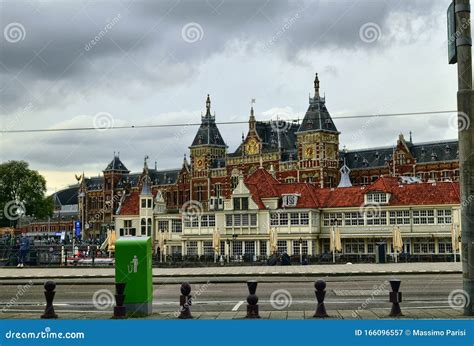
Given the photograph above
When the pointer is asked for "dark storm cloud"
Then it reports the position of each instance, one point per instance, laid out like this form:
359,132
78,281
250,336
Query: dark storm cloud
130,36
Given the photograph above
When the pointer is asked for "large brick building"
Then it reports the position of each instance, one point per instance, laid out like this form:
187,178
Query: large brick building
306,151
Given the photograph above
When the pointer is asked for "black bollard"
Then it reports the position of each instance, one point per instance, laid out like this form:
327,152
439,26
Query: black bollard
320,292
395,298
185,300
120,310
49,293
252,300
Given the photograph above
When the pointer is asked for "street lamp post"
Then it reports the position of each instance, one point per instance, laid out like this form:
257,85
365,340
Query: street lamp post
461,15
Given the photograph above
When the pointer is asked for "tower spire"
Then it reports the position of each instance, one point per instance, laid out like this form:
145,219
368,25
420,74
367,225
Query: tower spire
208,106
316,87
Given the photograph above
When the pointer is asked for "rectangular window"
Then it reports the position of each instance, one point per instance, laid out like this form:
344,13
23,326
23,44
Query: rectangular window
423,246
237,205
191,247
304,218
332,219
282,246
399,217
353,219
228,220
176,250
283,219
245,219
237,220
208,220
354,246
297,246
176,226
376,198
294,218
207,248
253,219
377,218
444,216
274,219
163,225
143,203
263,248
249,247
236,248
423,217
218,190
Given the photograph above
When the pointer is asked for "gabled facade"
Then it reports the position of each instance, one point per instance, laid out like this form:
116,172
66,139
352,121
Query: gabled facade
303,215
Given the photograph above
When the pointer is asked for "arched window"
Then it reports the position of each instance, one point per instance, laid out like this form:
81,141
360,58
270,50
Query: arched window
148,227
143,227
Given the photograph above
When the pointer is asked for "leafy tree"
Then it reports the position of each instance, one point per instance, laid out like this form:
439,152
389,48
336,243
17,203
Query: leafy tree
22,192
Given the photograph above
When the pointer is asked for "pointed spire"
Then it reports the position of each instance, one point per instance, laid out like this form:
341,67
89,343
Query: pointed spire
316,87
208,106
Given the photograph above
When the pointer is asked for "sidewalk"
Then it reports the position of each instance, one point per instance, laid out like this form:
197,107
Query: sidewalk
367,314
258,271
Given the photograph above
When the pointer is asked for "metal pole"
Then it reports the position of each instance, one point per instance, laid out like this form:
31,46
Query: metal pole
466,144
333,235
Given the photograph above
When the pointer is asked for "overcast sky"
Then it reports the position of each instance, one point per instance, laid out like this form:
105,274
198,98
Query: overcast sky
72,63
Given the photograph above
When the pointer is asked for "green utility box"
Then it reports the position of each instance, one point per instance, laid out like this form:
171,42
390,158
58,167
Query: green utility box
133,267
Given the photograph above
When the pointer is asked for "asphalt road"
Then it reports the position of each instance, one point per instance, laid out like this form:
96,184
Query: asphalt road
218,294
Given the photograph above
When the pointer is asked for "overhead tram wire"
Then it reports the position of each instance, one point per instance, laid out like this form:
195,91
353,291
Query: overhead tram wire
218,123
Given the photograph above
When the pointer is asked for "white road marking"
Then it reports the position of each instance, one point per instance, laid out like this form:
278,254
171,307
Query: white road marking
237,306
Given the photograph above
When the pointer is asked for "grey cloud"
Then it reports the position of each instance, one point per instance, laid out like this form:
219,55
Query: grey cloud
148,34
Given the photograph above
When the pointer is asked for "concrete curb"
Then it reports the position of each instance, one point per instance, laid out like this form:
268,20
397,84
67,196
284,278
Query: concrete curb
270,275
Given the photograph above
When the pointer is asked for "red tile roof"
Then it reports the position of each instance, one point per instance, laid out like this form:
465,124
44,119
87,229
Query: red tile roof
262,184
131,204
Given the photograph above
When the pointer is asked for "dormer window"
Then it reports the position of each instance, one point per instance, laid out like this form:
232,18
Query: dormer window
241,203
289,201
376,197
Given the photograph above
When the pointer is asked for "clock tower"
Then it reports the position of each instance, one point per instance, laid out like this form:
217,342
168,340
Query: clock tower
252,145
207,151
318,143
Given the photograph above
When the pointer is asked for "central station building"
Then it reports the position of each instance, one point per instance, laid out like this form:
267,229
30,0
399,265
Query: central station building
288,175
